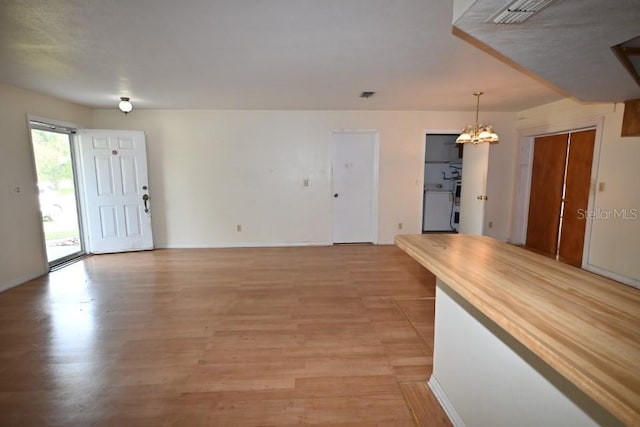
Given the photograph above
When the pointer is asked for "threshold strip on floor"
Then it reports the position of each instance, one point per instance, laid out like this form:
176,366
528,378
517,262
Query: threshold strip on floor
70,261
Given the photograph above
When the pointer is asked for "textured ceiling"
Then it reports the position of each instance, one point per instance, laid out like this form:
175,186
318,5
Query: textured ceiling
568,44
255,54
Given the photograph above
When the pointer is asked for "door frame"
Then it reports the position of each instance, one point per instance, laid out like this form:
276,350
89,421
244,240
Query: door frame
523,185
463,203
426,133
77,168
375,133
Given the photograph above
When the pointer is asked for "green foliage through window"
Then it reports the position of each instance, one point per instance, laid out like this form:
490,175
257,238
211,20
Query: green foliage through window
53,157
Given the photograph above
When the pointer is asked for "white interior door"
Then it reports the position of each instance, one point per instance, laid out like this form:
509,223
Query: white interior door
354,166
475,163
114,175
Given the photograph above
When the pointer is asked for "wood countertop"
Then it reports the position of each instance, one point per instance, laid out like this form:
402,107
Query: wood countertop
584,326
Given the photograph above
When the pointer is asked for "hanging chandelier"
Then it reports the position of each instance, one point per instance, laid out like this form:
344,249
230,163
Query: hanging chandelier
478,132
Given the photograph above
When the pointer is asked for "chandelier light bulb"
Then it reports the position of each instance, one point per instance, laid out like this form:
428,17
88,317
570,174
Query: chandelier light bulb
464,137
484,136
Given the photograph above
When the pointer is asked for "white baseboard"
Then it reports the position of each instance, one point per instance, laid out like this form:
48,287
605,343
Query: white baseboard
611,275
239,245
248,245
15,282
444,401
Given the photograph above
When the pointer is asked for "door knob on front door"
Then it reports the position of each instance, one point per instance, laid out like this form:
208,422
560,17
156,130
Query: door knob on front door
145,198
335,195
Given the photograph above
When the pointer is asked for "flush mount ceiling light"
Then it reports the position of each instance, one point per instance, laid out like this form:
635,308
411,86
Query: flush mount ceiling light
124,105
478,132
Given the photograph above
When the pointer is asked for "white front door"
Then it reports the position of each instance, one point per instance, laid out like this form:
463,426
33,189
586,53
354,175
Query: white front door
353,166
116,188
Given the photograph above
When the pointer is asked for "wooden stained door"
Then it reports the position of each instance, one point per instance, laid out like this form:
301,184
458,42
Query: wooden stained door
576,198
549,158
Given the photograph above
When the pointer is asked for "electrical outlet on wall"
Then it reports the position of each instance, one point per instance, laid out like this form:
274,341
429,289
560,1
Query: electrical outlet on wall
490,224
16,190
239,227
400,225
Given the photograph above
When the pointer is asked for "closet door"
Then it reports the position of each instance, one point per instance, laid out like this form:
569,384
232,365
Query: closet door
549,157
578,184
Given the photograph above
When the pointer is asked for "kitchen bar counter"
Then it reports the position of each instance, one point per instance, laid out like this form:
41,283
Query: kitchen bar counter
585,327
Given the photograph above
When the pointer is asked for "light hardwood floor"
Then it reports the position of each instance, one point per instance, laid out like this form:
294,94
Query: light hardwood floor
227,337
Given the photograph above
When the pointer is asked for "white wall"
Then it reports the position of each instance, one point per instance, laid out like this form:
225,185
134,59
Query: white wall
22,255
614,244
211,170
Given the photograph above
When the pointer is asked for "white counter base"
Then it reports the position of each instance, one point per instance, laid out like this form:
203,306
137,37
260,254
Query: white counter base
483,377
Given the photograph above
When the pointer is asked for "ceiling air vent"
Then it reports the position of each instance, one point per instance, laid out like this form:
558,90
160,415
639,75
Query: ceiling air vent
519,11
